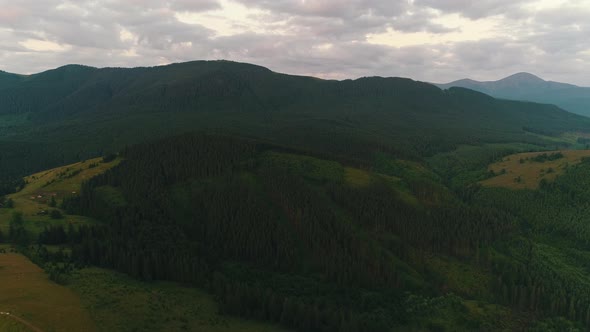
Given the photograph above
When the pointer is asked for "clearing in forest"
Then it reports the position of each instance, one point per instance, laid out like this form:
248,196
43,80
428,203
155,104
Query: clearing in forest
527,170
34,201
27,293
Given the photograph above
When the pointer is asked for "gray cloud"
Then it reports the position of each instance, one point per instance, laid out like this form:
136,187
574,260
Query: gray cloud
332,8
475,9
328,38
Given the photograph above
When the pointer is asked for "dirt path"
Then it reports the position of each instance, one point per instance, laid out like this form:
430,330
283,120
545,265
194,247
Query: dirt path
22,321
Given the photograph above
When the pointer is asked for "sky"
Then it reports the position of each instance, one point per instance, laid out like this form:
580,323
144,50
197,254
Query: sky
428,40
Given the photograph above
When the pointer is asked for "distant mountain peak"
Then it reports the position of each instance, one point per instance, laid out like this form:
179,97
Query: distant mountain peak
523,77
529,87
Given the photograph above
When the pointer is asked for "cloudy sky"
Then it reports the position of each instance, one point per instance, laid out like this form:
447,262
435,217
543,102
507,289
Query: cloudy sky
429,40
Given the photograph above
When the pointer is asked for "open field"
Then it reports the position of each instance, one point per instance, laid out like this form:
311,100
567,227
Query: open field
525,170
33,201
117,302
26,292
7,324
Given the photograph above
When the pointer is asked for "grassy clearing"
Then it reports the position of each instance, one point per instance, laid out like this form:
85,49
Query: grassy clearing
460,278
521,171
9,325
26,292
312,168
118,303
34,200
356,177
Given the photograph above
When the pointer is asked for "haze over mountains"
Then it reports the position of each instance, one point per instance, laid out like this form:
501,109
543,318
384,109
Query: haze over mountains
525,86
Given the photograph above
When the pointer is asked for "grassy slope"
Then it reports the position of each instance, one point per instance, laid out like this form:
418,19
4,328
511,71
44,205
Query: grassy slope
55,182
529,171
9,325
26,292
119,303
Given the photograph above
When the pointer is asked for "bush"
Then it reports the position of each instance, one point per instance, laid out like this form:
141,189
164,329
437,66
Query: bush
55,214
109,157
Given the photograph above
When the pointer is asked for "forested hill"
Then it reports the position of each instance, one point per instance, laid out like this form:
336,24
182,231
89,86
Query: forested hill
286,237
318,205
76,112
315,244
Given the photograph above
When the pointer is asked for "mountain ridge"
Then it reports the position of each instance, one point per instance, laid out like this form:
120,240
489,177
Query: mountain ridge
528,87
76,112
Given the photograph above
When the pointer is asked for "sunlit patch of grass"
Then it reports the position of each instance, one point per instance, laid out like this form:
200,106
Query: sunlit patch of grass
521,171
463,279
311,168
120,303
34,201
27,292
356,177
9,325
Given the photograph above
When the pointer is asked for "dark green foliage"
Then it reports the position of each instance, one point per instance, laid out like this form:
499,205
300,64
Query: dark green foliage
274,225
10,185
73,113
59,272
306,245
6,202
548,271
557,325
543,157
108,158
55,214
57,264
17,232
55,235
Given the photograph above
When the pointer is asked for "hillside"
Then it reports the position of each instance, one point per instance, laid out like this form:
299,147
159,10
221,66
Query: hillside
295,203
75,112
525,86
532,169
284,236
36,299
314,243
270,227
53,295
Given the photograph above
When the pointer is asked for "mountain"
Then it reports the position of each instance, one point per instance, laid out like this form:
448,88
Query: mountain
316,205
77,112
525,86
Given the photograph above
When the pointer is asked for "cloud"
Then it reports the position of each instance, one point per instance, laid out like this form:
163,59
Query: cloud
194,5
423,39
477,9
332,8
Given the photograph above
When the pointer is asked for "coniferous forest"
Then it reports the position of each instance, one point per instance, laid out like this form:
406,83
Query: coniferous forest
314,205
316,245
